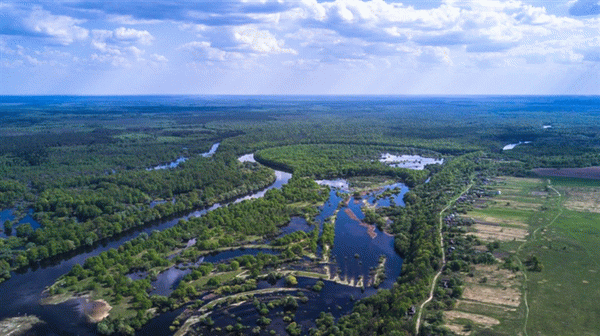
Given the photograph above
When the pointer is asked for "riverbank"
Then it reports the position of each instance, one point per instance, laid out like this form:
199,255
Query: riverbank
19,326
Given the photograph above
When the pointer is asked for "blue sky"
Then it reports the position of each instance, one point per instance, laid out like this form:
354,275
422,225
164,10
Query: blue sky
300,47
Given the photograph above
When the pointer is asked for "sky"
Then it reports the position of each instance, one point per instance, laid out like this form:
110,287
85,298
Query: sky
429,47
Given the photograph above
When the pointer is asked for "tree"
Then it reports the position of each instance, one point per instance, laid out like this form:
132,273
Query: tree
7,227
291,280
24,230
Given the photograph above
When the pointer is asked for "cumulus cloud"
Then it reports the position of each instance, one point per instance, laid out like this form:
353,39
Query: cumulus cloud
37,22
118,47
305,34
24,56
133,35
260,41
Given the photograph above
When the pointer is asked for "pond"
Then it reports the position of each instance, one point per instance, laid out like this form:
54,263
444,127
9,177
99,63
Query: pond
416,162
8,214
395,199
247,158
337,183
358,247
511,146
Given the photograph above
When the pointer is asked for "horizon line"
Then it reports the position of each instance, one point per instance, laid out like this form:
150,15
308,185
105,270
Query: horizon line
298,95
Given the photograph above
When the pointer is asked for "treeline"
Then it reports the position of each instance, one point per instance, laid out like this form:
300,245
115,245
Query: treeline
326,161
386,313
103,207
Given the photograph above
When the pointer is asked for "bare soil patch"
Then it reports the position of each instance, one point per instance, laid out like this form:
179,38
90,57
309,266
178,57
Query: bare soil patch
493,233
586,173
494,295
96,311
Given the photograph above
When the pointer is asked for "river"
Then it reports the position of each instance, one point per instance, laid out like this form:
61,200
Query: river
21,294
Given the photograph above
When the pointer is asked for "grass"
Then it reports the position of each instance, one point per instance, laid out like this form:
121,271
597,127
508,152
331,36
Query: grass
573,182
221,277
521,202
562,298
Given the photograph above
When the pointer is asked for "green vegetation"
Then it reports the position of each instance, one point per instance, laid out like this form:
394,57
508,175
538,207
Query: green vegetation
83,173
568,249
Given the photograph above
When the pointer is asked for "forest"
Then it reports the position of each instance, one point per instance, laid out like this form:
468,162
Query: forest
89,173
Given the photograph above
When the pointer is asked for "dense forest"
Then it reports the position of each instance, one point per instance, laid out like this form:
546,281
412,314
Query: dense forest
89,172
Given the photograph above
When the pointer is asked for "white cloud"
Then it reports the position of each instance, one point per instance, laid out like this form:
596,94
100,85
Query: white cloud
133,35
61,28
325,36
117,47
260,41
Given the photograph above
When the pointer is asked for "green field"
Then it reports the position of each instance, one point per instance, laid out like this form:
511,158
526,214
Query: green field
564,297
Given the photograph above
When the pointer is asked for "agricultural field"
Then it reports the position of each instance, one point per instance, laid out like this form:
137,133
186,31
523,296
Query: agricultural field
545,237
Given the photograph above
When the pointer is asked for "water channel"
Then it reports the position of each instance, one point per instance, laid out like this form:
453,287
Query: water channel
22,293
356,253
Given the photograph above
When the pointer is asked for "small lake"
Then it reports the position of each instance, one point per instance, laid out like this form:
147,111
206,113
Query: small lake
157,202
395,199
511,146
247,158
8,214
415,162
337,184
296,224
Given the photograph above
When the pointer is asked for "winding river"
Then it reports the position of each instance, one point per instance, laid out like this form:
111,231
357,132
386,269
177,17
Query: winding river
354,254
21,294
